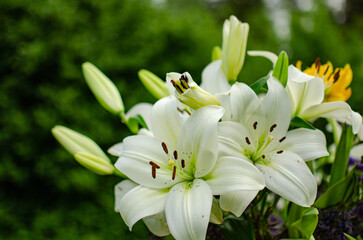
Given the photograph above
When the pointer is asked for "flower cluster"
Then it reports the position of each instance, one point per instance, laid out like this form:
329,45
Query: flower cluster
202,152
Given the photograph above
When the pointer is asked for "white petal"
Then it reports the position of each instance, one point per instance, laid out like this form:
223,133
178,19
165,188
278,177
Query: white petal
269,55
287,175
233,138
338,110
232,174
157,224
237,202
198,136
141,202
166,120
356,122
213,78
116,149
120,190
308,144
357,152
134,162
277,109
243,101
142,109
304,90
225,101
360,133
187,209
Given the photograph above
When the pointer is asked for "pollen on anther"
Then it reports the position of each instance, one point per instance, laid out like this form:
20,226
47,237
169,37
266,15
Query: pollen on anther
263,156
153,171
280,151
175,153
247,140
273,127
154,164
282,139
183,163
165,148
255,125
174,173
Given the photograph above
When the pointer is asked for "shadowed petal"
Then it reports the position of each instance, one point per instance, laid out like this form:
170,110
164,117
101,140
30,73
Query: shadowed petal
157,224
213,78
237,202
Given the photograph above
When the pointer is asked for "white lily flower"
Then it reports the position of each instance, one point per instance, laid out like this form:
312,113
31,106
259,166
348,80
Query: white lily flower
257,132
306,94
188,92
177,170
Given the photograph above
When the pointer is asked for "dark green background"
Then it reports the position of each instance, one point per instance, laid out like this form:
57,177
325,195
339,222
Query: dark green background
44,193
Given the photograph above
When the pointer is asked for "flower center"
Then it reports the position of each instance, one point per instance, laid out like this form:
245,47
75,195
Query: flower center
257,151
173,164
181,85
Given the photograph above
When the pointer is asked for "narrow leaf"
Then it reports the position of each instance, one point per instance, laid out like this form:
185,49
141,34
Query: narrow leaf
256,86
297,122
340,164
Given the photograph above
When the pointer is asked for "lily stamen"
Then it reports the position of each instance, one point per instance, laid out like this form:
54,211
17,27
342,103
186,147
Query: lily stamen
273,127
165,148
282,139
175,153
255,125
174,173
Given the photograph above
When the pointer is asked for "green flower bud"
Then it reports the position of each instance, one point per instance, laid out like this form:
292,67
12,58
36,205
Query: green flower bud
189,93
153,84
216,53
94,163
75,142
235,35
103,88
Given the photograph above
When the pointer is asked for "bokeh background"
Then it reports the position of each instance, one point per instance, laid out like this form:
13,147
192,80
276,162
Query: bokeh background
44,193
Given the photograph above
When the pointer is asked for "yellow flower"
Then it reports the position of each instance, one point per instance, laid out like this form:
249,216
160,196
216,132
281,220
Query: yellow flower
336,82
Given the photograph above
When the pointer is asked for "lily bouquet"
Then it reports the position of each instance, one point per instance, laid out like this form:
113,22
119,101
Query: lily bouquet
245,160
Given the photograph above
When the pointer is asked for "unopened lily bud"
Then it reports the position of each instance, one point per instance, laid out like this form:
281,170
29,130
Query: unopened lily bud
235,35
153,84
103,88
189,93
75,142
94,163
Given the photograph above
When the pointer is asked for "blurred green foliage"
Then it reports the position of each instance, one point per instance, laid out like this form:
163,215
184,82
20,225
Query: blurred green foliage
44,193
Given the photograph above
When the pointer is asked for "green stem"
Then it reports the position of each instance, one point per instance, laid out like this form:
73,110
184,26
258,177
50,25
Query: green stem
335,127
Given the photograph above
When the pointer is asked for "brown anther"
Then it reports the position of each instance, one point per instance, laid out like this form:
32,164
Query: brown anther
175,153
317,62
336,76
184,83
174,173
165,148
280,151
247,141
184,77
272,127
180,110
326,70
255,125
263,156
154,164
153,171
183,163
176,87
282,139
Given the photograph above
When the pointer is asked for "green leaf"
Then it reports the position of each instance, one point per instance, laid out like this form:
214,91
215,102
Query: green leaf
301,123
340,164
302,221
281,68
133,123
238,228
338,193
256,86
350,237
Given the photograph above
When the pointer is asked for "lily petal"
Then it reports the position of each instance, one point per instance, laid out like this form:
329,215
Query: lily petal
308,144
135,160
198,136
187,209
157,224
213,78
237,202
116,149
120,190
166,120
233,174
141,202
287,175
269,55
276,107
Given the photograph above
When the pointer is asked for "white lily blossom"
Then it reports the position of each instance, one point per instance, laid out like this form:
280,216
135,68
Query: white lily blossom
178,172
306,94
257,132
